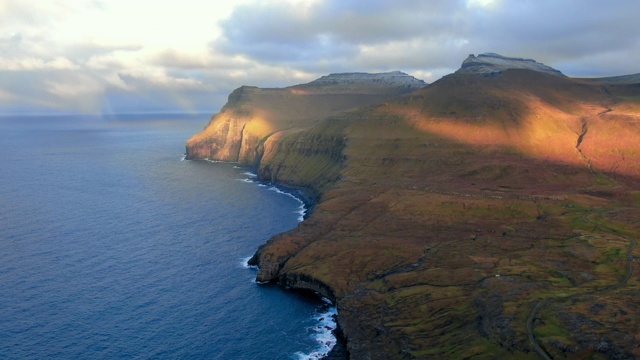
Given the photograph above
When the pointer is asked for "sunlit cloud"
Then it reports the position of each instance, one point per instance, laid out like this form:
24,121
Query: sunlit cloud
483,3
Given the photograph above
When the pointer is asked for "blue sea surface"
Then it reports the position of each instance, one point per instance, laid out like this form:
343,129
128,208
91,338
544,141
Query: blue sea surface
113,247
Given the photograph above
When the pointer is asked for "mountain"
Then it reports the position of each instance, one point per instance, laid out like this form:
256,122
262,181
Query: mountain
393,79
491,63
480,216
619,80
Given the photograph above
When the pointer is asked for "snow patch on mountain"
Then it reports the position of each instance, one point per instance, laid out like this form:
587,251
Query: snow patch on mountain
490,63
393,79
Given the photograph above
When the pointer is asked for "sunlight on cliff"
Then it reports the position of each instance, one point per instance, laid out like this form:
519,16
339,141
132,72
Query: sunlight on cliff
259,126
206,132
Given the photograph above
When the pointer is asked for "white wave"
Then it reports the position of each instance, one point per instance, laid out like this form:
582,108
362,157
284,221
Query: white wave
184,157
245,263
302,209
246,181
251,178
323,334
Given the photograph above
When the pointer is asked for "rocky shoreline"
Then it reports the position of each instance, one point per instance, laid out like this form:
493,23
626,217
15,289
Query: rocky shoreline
305,282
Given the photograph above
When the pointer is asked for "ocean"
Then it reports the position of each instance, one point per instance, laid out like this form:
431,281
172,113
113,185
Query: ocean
113,246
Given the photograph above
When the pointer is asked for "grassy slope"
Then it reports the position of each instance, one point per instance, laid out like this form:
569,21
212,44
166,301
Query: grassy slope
446,215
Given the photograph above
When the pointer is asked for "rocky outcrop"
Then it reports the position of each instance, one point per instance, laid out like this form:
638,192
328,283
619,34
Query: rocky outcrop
490,63
306,282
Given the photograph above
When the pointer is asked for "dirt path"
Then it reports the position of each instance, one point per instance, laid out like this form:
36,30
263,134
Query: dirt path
534,313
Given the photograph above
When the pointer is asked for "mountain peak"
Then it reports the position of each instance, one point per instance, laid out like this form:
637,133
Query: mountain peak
393,79
491,63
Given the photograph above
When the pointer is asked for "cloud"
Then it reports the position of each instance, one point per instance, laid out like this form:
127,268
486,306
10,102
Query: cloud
88,56
419,35
332,33
32,63
557,30
71,55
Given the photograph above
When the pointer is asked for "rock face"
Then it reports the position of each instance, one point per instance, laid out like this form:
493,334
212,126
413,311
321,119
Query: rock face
445,214
252,115
490,63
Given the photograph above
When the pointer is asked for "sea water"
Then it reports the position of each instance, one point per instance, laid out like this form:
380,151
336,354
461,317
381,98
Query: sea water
112,246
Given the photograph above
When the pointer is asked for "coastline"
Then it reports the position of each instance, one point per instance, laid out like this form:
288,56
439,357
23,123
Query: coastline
403,185
324,292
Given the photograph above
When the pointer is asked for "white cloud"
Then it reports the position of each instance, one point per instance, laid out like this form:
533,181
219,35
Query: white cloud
483,3
32,63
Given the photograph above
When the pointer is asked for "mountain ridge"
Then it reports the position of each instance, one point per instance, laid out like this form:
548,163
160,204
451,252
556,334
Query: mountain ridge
392,78
445,213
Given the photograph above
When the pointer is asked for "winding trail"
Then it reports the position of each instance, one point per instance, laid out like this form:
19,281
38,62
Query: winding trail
534,313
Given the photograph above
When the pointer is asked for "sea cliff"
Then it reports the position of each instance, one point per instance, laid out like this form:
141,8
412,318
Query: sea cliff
481,215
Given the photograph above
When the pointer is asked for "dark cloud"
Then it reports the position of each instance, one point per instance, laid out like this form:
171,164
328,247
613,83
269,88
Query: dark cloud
328,32
280,33
421,35
557,30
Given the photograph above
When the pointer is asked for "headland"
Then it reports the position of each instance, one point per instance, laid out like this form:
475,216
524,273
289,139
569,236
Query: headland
491,214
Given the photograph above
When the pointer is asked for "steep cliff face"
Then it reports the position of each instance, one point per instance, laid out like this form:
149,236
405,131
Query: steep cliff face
241,131
221,139
445,215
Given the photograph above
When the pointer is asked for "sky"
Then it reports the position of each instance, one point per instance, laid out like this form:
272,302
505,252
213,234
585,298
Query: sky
123,56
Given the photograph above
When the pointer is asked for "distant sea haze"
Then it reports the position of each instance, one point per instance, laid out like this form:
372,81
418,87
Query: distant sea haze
112,247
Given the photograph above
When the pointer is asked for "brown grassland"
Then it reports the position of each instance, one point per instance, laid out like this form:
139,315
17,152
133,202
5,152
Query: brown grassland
478,217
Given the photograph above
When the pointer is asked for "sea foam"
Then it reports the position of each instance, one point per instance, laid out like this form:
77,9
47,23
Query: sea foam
302,209
244,262
253,178
323,332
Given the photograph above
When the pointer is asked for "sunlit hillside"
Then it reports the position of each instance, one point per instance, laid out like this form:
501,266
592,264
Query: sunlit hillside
480,216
